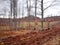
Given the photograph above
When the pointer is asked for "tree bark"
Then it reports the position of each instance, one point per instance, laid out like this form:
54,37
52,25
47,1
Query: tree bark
42,14
35,13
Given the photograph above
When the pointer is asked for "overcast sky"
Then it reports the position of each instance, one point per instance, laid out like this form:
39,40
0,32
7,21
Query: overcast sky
51,11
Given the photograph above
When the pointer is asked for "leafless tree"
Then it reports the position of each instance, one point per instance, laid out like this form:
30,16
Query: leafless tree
11,6
42,11
35,13
42,14
14,12
28,10
22,12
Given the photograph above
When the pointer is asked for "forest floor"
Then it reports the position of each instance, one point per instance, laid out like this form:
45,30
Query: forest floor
31,37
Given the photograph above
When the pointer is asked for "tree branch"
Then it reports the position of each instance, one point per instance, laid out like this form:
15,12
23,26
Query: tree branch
50,5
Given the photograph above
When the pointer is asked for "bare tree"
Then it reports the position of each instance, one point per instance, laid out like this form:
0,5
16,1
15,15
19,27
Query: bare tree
11,6
14,12
42,14
11,13
42,11
35,13
14,9
22,12
28,10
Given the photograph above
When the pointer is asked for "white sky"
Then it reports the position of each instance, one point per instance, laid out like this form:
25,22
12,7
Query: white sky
51,11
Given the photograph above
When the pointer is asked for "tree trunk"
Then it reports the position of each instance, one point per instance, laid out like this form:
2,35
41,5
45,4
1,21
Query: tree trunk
42,14
15,14
35,13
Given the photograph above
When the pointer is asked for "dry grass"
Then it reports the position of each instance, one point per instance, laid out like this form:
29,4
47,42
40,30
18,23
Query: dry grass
25,25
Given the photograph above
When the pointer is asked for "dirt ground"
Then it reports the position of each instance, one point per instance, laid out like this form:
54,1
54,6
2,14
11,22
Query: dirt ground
31,37
13,33
54,41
